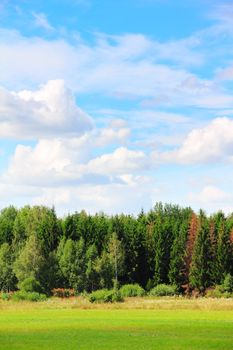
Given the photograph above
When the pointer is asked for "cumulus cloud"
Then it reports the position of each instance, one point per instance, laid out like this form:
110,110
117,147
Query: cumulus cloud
121,161
55,162
110,135
50,110
56,172
210,144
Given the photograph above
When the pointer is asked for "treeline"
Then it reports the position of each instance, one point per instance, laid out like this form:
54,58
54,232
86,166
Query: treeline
169,244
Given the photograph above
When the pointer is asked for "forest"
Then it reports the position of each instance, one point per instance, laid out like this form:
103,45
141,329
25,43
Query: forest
169,244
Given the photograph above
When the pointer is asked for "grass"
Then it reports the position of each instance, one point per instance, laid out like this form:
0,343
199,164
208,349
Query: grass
171,324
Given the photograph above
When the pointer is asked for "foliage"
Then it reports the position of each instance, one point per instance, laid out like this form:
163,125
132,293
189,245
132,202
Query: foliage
167,245
105,296
7,276
30,262
30,284
228,283
200,271
5,296
7,218
63,292
163,290
28,296
218,292
132,290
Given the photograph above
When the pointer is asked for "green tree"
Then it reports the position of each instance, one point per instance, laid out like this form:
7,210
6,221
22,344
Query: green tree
19,228
200,272
110,265
224,250
30,262
7,276
72,262
176,271
91,272
7,218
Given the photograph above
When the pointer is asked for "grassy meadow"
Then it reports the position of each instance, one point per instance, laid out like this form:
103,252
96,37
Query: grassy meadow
138,323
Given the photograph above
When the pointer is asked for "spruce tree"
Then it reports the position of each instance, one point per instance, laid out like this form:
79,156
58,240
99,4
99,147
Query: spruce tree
200,274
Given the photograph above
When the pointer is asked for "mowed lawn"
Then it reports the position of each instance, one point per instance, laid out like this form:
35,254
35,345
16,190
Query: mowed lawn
29,327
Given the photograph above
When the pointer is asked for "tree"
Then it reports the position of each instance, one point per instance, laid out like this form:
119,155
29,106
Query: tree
91,272
176,272
200,273
224,252
7,276
190,243
110,265
30,262
163,237
19,228
72,262
7,218
116,257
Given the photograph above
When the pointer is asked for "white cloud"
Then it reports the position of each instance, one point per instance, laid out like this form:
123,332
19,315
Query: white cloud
51,162
210,194
111,135
212,198
115,65
110,198
41,21
51,110
121,161
56,162
55,172
126,66
213,143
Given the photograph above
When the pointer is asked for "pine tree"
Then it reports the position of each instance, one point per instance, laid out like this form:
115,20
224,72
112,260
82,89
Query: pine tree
176,273
191,238
200,274
223,255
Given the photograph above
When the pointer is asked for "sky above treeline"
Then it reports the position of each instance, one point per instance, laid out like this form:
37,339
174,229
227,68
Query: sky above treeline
115,105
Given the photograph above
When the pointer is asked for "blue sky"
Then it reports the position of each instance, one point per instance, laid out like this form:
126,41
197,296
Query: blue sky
113,106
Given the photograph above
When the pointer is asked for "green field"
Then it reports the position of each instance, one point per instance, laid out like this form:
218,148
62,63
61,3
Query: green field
161,325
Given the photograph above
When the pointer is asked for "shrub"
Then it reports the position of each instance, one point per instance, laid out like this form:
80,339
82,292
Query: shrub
132,290
30,284
5,296
63,292
217,292
228,283
163,290
28,296
105,296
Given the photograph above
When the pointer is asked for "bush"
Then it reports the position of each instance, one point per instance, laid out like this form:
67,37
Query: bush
217,292
163,290
132,290
228,283
28,296
105,296
30,284
5,296
63,292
